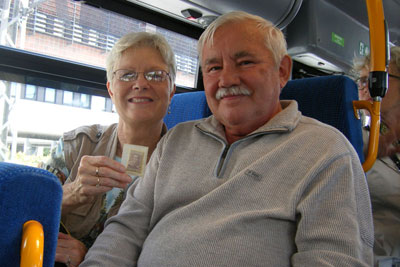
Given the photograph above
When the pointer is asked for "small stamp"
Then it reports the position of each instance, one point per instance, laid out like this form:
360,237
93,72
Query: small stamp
134,158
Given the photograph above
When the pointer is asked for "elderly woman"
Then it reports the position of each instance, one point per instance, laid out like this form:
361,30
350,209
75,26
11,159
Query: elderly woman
141,73
384,177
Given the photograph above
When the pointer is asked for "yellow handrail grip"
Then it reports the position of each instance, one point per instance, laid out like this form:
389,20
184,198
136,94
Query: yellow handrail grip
377,35
378,64
374,110
32,244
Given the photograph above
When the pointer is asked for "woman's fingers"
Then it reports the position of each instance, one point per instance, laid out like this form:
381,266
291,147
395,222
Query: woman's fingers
96,175
99,174
110,173
70,250
64,236
102,161
103,167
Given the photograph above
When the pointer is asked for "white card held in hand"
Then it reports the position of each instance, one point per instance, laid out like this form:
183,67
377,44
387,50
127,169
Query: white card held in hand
134,159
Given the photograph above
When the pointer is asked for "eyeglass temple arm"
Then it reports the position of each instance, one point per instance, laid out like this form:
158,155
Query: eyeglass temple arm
377,77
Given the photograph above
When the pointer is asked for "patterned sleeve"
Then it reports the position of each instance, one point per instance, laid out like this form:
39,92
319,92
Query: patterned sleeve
56,163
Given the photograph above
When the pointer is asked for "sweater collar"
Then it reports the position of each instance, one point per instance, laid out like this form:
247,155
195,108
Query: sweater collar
284,121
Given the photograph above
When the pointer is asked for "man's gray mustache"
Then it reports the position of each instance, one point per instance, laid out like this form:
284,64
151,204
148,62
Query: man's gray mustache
233,90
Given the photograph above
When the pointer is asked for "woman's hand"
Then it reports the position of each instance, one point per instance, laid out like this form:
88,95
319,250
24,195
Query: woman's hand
70,250
96,175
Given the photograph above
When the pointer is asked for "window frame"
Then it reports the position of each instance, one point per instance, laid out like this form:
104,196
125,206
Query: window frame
48,89
29,87
36,69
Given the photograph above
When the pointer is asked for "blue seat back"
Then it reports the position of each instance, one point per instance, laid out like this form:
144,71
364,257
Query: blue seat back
186,107
327,99
27,193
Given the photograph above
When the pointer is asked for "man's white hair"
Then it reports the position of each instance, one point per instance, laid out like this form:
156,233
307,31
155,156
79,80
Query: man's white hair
274,39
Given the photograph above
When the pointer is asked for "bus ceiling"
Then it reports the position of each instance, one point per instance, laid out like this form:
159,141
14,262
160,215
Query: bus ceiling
323,34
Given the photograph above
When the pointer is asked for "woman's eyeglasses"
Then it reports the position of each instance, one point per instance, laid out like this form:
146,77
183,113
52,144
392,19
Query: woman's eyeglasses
362,82
394,76
151,76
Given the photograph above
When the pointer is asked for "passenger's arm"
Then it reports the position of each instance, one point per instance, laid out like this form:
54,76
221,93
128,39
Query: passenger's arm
69,250
86,185
334,217
121,241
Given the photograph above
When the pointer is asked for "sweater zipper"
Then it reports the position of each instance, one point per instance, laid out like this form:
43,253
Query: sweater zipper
221,161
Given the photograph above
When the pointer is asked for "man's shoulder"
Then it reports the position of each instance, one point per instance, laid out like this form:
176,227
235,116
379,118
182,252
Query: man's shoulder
316,125
323,134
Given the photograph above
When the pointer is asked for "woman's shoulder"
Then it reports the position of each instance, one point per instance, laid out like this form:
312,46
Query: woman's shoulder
94,132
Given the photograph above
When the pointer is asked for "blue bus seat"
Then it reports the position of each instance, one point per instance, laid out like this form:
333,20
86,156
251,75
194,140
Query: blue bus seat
327,99
186,107
28,193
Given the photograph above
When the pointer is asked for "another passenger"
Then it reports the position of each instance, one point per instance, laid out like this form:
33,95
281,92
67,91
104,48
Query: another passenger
361,67
255,184
141,73
384,177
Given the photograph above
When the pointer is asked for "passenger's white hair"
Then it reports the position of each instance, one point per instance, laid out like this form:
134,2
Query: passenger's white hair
274,39
395,57
364,62
141,39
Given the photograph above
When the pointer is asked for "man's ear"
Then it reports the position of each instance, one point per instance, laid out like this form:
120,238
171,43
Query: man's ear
109,89
285,70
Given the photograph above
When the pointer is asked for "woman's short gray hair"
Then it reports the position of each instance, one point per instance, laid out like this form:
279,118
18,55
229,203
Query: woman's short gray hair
395,57
274,39
359,64
364,62
141,39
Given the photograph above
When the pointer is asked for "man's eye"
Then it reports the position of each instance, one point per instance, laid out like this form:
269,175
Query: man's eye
214,68
245,62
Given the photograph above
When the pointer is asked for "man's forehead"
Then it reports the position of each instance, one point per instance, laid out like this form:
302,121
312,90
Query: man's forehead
217,57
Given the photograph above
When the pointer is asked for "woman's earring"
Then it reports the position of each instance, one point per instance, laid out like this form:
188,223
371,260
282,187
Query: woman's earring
169,109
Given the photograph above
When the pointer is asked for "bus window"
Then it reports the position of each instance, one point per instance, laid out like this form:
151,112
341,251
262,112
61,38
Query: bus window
35,112
81,33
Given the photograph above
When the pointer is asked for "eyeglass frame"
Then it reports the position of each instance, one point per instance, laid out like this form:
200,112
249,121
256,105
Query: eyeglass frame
366,81
394,76
362,82
145,73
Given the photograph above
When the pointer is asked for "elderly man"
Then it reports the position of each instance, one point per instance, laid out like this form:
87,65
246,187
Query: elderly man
384,177
256,184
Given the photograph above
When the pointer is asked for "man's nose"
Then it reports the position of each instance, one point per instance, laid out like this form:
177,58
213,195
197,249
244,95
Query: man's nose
229,76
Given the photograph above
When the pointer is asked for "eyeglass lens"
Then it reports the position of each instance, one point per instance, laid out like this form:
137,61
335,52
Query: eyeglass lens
129,76
362,82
